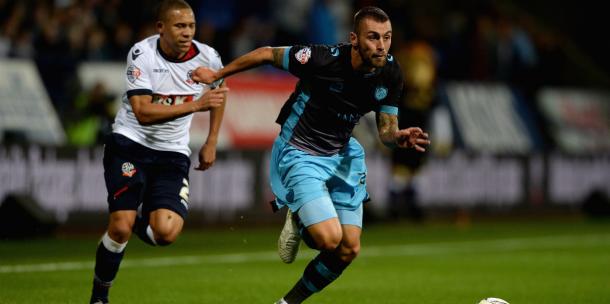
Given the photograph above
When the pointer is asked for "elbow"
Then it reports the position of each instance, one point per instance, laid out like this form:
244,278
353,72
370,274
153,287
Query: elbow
142,119
266,53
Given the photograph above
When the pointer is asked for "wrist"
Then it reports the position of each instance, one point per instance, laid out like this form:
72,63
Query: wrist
211,141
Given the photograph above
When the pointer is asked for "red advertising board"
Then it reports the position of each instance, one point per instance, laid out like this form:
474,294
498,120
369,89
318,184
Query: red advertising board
253,103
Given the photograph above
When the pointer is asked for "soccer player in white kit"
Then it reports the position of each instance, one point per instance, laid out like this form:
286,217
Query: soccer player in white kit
146,158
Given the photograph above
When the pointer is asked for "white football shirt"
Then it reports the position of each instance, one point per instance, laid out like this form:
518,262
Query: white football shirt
150,72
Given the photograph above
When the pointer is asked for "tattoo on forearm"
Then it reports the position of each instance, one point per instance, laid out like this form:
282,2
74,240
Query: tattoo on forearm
388,124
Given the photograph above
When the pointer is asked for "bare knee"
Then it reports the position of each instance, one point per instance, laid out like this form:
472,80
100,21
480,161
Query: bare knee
328,241
349,252
350,245
164,235
120,226
166,226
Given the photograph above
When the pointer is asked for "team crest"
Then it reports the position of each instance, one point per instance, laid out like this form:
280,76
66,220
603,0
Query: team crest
128,169
133,73
381,93
189,77
303,55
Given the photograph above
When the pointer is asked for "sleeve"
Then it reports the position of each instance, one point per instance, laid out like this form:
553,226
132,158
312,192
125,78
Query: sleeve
390,99
216,64
304,60
138,72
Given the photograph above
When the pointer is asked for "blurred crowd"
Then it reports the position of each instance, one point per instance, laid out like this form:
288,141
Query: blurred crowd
441,40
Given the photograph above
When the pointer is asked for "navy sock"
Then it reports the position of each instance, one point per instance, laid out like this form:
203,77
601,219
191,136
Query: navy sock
319,273
107,264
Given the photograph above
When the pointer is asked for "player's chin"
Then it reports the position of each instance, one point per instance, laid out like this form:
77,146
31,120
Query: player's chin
378,62
184,46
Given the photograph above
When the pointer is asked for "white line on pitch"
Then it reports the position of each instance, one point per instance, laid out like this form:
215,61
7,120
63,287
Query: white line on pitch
372,251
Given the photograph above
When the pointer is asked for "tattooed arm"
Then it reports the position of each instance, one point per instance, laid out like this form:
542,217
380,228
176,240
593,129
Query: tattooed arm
258,57
391,136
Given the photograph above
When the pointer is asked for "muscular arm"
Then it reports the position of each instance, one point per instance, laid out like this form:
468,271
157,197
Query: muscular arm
258,57
391,136
387,125
149,113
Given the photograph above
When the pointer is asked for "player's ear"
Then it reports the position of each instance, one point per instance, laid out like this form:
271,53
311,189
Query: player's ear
159,26
353,40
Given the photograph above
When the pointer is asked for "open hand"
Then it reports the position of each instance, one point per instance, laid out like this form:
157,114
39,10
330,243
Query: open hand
412,138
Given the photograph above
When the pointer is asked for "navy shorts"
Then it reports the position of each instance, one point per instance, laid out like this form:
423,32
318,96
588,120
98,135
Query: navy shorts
137,175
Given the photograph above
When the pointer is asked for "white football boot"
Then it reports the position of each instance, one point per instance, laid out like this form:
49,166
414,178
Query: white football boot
290,239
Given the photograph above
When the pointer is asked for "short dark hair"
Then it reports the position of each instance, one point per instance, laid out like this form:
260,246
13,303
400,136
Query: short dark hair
168,5
372,12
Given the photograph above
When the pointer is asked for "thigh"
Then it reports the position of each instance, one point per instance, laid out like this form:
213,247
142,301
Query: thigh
167,185
125,179
304,176
347,187
326,235
317,211
351,217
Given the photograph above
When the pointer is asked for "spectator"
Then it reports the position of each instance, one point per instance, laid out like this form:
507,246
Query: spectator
91,117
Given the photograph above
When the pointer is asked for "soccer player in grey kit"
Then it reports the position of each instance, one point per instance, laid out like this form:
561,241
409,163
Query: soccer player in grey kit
317,168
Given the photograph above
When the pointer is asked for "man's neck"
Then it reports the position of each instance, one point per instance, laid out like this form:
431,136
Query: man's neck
358,64
167,50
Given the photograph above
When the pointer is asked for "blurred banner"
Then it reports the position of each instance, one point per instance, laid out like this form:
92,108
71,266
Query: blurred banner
26,112
573,179
63,182
490,118
579,120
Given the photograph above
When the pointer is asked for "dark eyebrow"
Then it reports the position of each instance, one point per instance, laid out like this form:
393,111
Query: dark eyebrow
376,33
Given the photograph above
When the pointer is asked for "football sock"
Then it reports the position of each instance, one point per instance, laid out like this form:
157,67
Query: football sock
320,272
107,260
142,229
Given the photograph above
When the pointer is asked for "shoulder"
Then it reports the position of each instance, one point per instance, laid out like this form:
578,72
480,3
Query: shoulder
392,69
206,50
143,49
322,54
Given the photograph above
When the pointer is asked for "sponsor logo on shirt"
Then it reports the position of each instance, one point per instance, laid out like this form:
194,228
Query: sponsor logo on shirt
169,100
349,117
303,55
133,73
160,70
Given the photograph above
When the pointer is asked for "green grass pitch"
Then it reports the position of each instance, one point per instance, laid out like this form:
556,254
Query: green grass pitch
525,262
